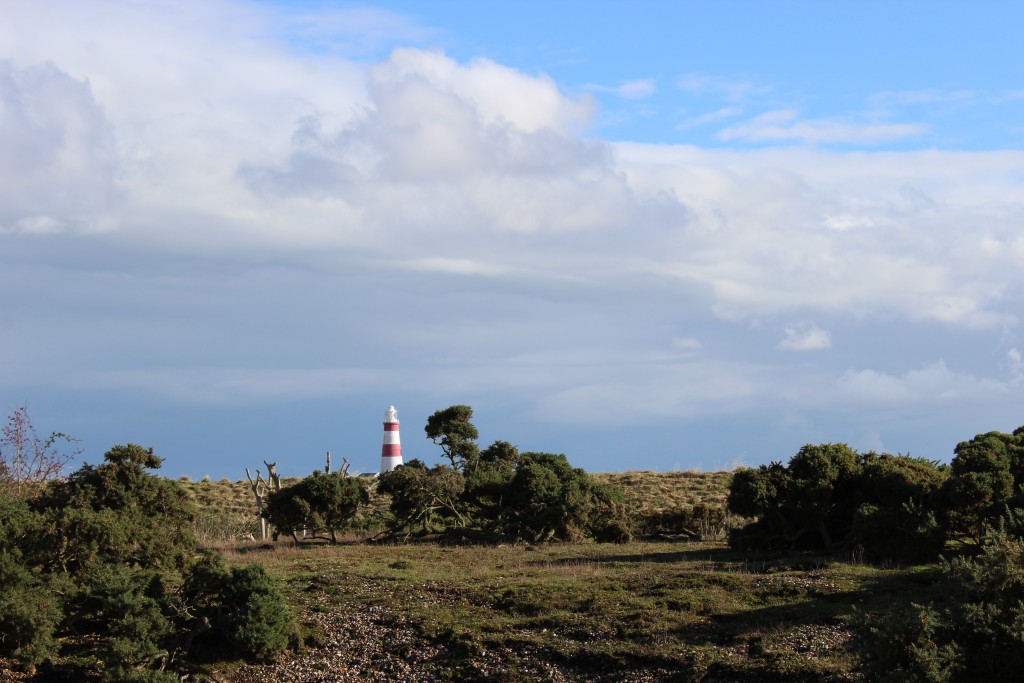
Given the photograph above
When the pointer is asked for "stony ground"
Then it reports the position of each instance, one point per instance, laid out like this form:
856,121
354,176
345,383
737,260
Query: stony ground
357,642
376,644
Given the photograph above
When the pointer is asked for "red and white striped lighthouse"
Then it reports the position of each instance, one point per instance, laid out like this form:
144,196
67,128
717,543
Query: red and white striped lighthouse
391,451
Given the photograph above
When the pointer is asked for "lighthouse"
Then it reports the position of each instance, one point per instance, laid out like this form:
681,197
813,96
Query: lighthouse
391,451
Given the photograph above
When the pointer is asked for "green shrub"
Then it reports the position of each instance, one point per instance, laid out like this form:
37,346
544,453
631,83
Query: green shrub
422,496
260,623
29,610
99,567
977,636
831,498
320,502
986,477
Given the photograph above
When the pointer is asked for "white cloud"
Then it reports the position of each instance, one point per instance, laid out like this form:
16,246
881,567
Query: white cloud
730,89
934,383
480,169
925,235
686,344
709,117
805,336
785,125
57,160
498,94
638,89
218,145
1015,362
915,97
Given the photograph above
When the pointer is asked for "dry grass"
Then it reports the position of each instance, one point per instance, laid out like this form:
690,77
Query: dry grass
226,510
658,491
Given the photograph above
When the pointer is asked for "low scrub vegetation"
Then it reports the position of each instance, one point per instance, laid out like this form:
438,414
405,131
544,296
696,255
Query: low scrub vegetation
836,566
102,580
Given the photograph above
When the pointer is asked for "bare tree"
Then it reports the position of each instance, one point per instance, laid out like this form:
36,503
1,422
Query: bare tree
327,467
26,459
259,489
275,478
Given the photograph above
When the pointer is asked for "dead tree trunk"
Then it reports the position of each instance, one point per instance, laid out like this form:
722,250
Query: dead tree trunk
327,467
259,489
275,478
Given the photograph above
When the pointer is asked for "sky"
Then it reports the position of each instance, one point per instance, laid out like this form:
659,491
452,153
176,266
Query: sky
648,235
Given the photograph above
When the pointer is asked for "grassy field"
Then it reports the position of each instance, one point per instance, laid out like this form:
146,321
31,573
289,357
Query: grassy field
640,612
644,611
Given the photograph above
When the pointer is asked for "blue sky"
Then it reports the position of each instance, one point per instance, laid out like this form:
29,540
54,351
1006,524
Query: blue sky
650,236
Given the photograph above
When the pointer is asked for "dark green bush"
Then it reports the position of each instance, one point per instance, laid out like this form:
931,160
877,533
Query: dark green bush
831,498
29,611
98,566
986,477
234,612
320,502
422,496
978,635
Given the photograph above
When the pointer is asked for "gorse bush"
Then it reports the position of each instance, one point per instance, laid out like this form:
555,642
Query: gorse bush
986,477
320,502
107,556
977,636
831,498
237,610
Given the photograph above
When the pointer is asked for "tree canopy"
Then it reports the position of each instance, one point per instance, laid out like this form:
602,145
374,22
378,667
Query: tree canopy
453,431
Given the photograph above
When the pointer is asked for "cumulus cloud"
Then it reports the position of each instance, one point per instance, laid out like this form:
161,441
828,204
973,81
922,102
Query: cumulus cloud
926,235
477,168
444,147
805,336
57,160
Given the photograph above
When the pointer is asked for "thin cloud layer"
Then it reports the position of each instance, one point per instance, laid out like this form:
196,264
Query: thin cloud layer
785,125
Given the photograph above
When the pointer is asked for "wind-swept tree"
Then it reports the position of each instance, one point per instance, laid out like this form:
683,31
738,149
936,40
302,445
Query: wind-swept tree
453,431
